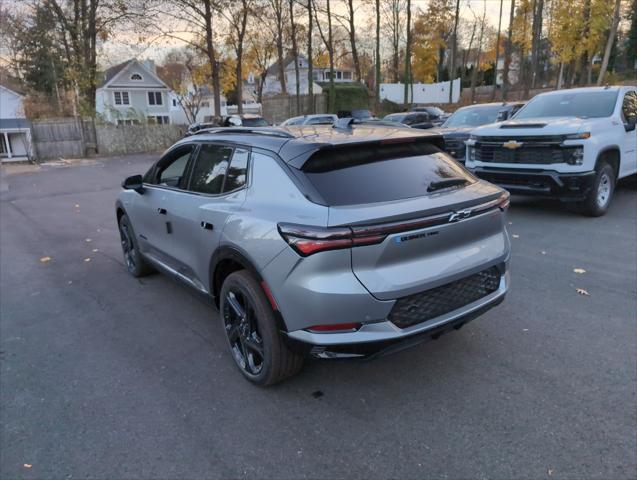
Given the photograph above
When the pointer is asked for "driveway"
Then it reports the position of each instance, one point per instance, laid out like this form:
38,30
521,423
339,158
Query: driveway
107,376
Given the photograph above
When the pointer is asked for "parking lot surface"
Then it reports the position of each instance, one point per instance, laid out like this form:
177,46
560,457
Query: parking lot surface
107,376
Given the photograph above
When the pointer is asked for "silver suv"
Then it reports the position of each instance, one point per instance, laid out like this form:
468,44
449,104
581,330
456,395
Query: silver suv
332,242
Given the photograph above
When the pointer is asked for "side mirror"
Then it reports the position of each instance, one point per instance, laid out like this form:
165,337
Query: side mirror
631,124
135,182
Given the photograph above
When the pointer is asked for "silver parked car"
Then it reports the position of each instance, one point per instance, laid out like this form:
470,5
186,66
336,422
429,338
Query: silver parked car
333,242
314,119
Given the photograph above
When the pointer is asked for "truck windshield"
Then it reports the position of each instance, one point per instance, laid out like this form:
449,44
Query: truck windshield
571,104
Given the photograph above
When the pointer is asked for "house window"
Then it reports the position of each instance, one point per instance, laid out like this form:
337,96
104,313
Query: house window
155,98
128,122
121,98
205,104
174,102
159,119
136,77
347,75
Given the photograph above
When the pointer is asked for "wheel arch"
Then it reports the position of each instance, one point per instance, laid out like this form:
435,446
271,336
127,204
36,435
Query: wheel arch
227,260
612,155
119,210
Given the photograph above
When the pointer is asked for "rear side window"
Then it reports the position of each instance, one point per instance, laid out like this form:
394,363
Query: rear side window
379,173
238,170
210,169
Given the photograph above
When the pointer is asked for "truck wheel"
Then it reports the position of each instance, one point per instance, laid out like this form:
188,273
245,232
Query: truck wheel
255,342
135,263
598,199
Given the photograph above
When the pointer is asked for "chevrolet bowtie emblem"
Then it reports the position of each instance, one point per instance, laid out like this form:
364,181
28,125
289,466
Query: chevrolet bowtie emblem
459,215
512,145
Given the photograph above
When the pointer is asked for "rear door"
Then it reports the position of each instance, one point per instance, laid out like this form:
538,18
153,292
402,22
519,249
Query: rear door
436,234
214,192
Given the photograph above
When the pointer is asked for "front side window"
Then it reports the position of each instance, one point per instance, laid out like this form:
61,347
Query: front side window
170,171
571,104
121,98
155,98
210,169
629,106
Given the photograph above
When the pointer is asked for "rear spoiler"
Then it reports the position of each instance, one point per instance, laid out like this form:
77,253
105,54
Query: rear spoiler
331,157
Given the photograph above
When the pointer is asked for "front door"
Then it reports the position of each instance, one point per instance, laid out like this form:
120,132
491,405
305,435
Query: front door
629,147
151,212
215,191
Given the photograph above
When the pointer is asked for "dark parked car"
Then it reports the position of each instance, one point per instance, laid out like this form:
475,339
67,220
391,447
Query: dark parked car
359,114
457,129
437,115
413,119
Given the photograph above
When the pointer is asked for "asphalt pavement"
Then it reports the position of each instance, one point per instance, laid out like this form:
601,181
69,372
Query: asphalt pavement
110,377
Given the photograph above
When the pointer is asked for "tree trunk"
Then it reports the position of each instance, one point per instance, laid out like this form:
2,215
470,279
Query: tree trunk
332,99
497,53
609,42
538,9
465,56
585,59
476,66
524,70
352,40
507,54
310,67
295,54
210,51
452,60
408,56
377,66
560,77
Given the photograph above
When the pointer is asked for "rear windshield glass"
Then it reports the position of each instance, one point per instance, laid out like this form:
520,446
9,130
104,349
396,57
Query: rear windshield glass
352,176
580,104
254,122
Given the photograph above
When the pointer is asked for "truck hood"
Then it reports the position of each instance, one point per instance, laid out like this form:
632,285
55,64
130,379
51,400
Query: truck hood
534,126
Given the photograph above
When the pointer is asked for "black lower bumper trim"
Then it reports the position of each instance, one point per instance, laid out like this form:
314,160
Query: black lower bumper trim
546,183
371,350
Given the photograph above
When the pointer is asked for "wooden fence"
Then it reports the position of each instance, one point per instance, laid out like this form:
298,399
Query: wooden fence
64,137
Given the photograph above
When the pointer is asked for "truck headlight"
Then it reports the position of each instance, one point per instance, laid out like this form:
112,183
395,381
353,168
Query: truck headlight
577,136
577,156
472,153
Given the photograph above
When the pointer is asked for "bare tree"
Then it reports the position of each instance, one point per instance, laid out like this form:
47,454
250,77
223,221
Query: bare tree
538,10
408,55
452,60
478,58
261,51
508,47
392,11
295,55
347,21
278,10
310,62
236,13
609,42
328,41
497,53
377,66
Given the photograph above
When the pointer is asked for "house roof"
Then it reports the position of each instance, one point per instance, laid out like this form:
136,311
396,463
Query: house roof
14,123
274,68
112,72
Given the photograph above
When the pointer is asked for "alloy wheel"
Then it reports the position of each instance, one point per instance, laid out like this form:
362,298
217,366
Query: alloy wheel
128,246
603,190
242,330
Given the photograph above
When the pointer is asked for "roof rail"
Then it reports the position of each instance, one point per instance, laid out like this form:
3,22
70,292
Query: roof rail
272,132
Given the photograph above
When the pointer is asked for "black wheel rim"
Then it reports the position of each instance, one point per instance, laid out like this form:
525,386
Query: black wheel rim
127,246
243,333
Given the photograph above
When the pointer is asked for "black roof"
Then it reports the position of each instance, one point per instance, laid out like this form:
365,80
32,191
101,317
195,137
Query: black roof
294,144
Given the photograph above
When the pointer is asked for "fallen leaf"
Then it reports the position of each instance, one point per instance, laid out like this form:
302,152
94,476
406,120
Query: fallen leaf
88,240
543,252
27,465
95,250
45,259
87,259
70,282
515,236
525,329
510,223
579,270
550,471
77,205
581,291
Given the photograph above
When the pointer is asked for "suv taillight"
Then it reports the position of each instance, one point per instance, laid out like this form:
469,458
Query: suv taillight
307,240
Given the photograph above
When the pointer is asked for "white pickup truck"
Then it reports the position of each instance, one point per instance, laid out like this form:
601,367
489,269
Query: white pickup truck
569,144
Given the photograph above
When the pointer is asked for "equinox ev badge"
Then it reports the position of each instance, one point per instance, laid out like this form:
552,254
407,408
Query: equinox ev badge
512,145
459,215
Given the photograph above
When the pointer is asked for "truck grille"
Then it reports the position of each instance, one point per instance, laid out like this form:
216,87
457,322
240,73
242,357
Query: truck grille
531,151
455,147
423,306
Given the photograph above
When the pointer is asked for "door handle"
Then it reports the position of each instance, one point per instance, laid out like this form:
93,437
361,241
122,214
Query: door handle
161,211
207,226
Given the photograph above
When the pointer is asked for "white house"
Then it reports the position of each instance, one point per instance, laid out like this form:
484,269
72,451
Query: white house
272,85
15,129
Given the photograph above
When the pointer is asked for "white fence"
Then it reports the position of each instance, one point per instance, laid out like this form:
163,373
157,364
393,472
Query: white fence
422,92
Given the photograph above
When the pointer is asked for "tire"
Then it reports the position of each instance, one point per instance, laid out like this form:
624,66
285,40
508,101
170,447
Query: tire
133,259
255,343
598,199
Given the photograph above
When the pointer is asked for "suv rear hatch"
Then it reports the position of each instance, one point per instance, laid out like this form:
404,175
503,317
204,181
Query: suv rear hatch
435,223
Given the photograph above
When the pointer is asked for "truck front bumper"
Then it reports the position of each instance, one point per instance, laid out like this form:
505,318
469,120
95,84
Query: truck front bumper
546,183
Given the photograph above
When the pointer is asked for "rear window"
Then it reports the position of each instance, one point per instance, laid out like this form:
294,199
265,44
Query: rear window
358,175
254,122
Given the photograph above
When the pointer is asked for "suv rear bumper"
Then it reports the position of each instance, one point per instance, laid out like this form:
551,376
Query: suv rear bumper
546,183
380,338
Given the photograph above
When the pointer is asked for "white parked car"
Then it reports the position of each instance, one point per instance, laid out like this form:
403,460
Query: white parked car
316,119
569,144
